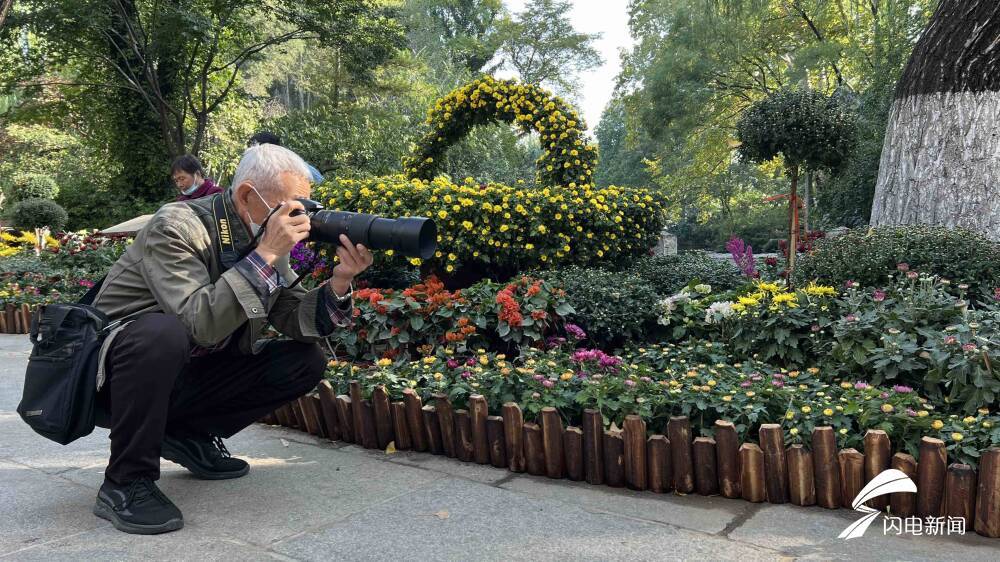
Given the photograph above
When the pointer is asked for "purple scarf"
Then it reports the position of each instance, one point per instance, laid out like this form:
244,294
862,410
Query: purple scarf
207,188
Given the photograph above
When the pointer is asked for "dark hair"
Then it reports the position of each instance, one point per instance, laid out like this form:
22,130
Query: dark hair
264,137
188,163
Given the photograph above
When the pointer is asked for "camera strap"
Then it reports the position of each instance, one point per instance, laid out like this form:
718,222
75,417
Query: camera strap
223,231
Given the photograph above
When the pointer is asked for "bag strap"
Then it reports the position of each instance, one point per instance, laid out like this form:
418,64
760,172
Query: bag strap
58,316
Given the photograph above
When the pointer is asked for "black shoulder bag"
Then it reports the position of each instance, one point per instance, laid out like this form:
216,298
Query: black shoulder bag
60,384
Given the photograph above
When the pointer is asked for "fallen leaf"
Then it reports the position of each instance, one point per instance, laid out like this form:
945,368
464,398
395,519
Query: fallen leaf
283,442
390,448
441,514
614,427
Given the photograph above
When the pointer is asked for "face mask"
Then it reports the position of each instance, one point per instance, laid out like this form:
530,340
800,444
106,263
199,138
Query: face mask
194,187
254,227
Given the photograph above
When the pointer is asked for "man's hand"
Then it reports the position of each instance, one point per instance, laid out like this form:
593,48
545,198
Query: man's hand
283,232
354,258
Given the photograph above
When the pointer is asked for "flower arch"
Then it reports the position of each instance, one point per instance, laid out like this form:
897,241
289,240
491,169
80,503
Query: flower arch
567,158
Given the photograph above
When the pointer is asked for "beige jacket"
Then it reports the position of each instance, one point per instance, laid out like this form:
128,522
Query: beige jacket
173,266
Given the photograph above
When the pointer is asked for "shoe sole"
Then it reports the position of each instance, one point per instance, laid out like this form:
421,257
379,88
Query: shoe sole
104,511
182,459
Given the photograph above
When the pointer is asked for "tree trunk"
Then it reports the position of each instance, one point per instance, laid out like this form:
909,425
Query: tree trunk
793,220
941,157
806,202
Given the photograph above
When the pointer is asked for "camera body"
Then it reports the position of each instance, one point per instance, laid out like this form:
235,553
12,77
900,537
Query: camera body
413,237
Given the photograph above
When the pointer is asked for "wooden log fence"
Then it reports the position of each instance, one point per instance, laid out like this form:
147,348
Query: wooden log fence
675,462
16,319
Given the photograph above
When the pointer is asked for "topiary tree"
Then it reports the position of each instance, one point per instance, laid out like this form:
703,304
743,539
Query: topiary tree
36,213
809,130
33,186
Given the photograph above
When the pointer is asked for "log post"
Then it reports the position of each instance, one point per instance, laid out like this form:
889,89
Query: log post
383,417
852,475
25,318
988,494
369,436
446,419
593,446
658,456
706,474
573,447
801,490
415,419
727,453
354,390
3,323
309,419
480,441
345,417
634,435
679,434
534,449
464,450
494,434
317,412
614,462
878,457
400,427
930,477
513,428
552,431
283,415
328,404
433,429
960,493
772,442
299,419
752,473
826,467
904,504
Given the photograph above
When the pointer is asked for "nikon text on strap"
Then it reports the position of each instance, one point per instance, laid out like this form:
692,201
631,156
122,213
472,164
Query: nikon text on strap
227,249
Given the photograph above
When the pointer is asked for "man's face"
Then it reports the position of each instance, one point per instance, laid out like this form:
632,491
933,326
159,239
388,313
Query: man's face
291,186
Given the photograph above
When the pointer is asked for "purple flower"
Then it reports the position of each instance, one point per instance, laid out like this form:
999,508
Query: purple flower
555,341
902,389
746,384
453,363
466,374
575,331
903,266
548,384
860,385
629,382
755,377
884,395
878,295
778,377
851,318
645,379
969,347
470,361
742,254
777,384
537,377
911,413
608,361
86,283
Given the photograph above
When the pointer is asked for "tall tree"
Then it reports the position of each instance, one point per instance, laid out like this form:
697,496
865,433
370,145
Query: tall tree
465,32
940,161
541,45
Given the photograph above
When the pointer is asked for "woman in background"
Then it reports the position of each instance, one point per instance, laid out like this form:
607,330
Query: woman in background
189,177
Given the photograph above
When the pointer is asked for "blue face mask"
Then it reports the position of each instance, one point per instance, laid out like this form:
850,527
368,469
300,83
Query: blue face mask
194,187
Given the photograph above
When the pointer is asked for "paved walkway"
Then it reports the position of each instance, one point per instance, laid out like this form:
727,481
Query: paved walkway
314,500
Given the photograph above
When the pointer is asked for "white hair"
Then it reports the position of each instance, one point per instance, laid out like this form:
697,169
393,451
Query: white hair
263,164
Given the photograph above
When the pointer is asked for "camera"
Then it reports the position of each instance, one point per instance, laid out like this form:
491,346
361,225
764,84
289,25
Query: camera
413,237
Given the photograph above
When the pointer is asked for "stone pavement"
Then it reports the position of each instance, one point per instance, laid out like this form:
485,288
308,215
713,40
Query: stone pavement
314,500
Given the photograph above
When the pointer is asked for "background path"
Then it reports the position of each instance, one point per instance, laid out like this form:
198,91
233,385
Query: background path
310,499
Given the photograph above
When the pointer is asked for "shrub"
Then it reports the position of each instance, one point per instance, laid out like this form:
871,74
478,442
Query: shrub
504,229
612,307
669,274
34,213
33,186
870,256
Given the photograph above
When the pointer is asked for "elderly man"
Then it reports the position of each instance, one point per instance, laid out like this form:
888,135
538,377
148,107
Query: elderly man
194,292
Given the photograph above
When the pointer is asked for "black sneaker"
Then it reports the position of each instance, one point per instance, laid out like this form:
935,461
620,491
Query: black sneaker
138,507
206,458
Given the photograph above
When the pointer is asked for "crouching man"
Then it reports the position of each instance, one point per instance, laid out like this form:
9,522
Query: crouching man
194,292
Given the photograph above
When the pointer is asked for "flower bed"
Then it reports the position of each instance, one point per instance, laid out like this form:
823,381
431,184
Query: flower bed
384,407
508,229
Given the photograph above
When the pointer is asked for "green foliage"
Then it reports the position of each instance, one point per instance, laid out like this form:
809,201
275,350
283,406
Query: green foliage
806,128
33,186
621,163
669,274
461,32
870,256
35,213
612,307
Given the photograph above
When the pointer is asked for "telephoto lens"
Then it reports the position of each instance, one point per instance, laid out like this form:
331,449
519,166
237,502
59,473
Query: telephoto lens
413,237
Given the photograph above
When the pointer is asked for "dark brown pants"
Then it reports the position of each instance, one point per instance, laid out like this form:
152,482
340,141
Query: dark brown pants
154,387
